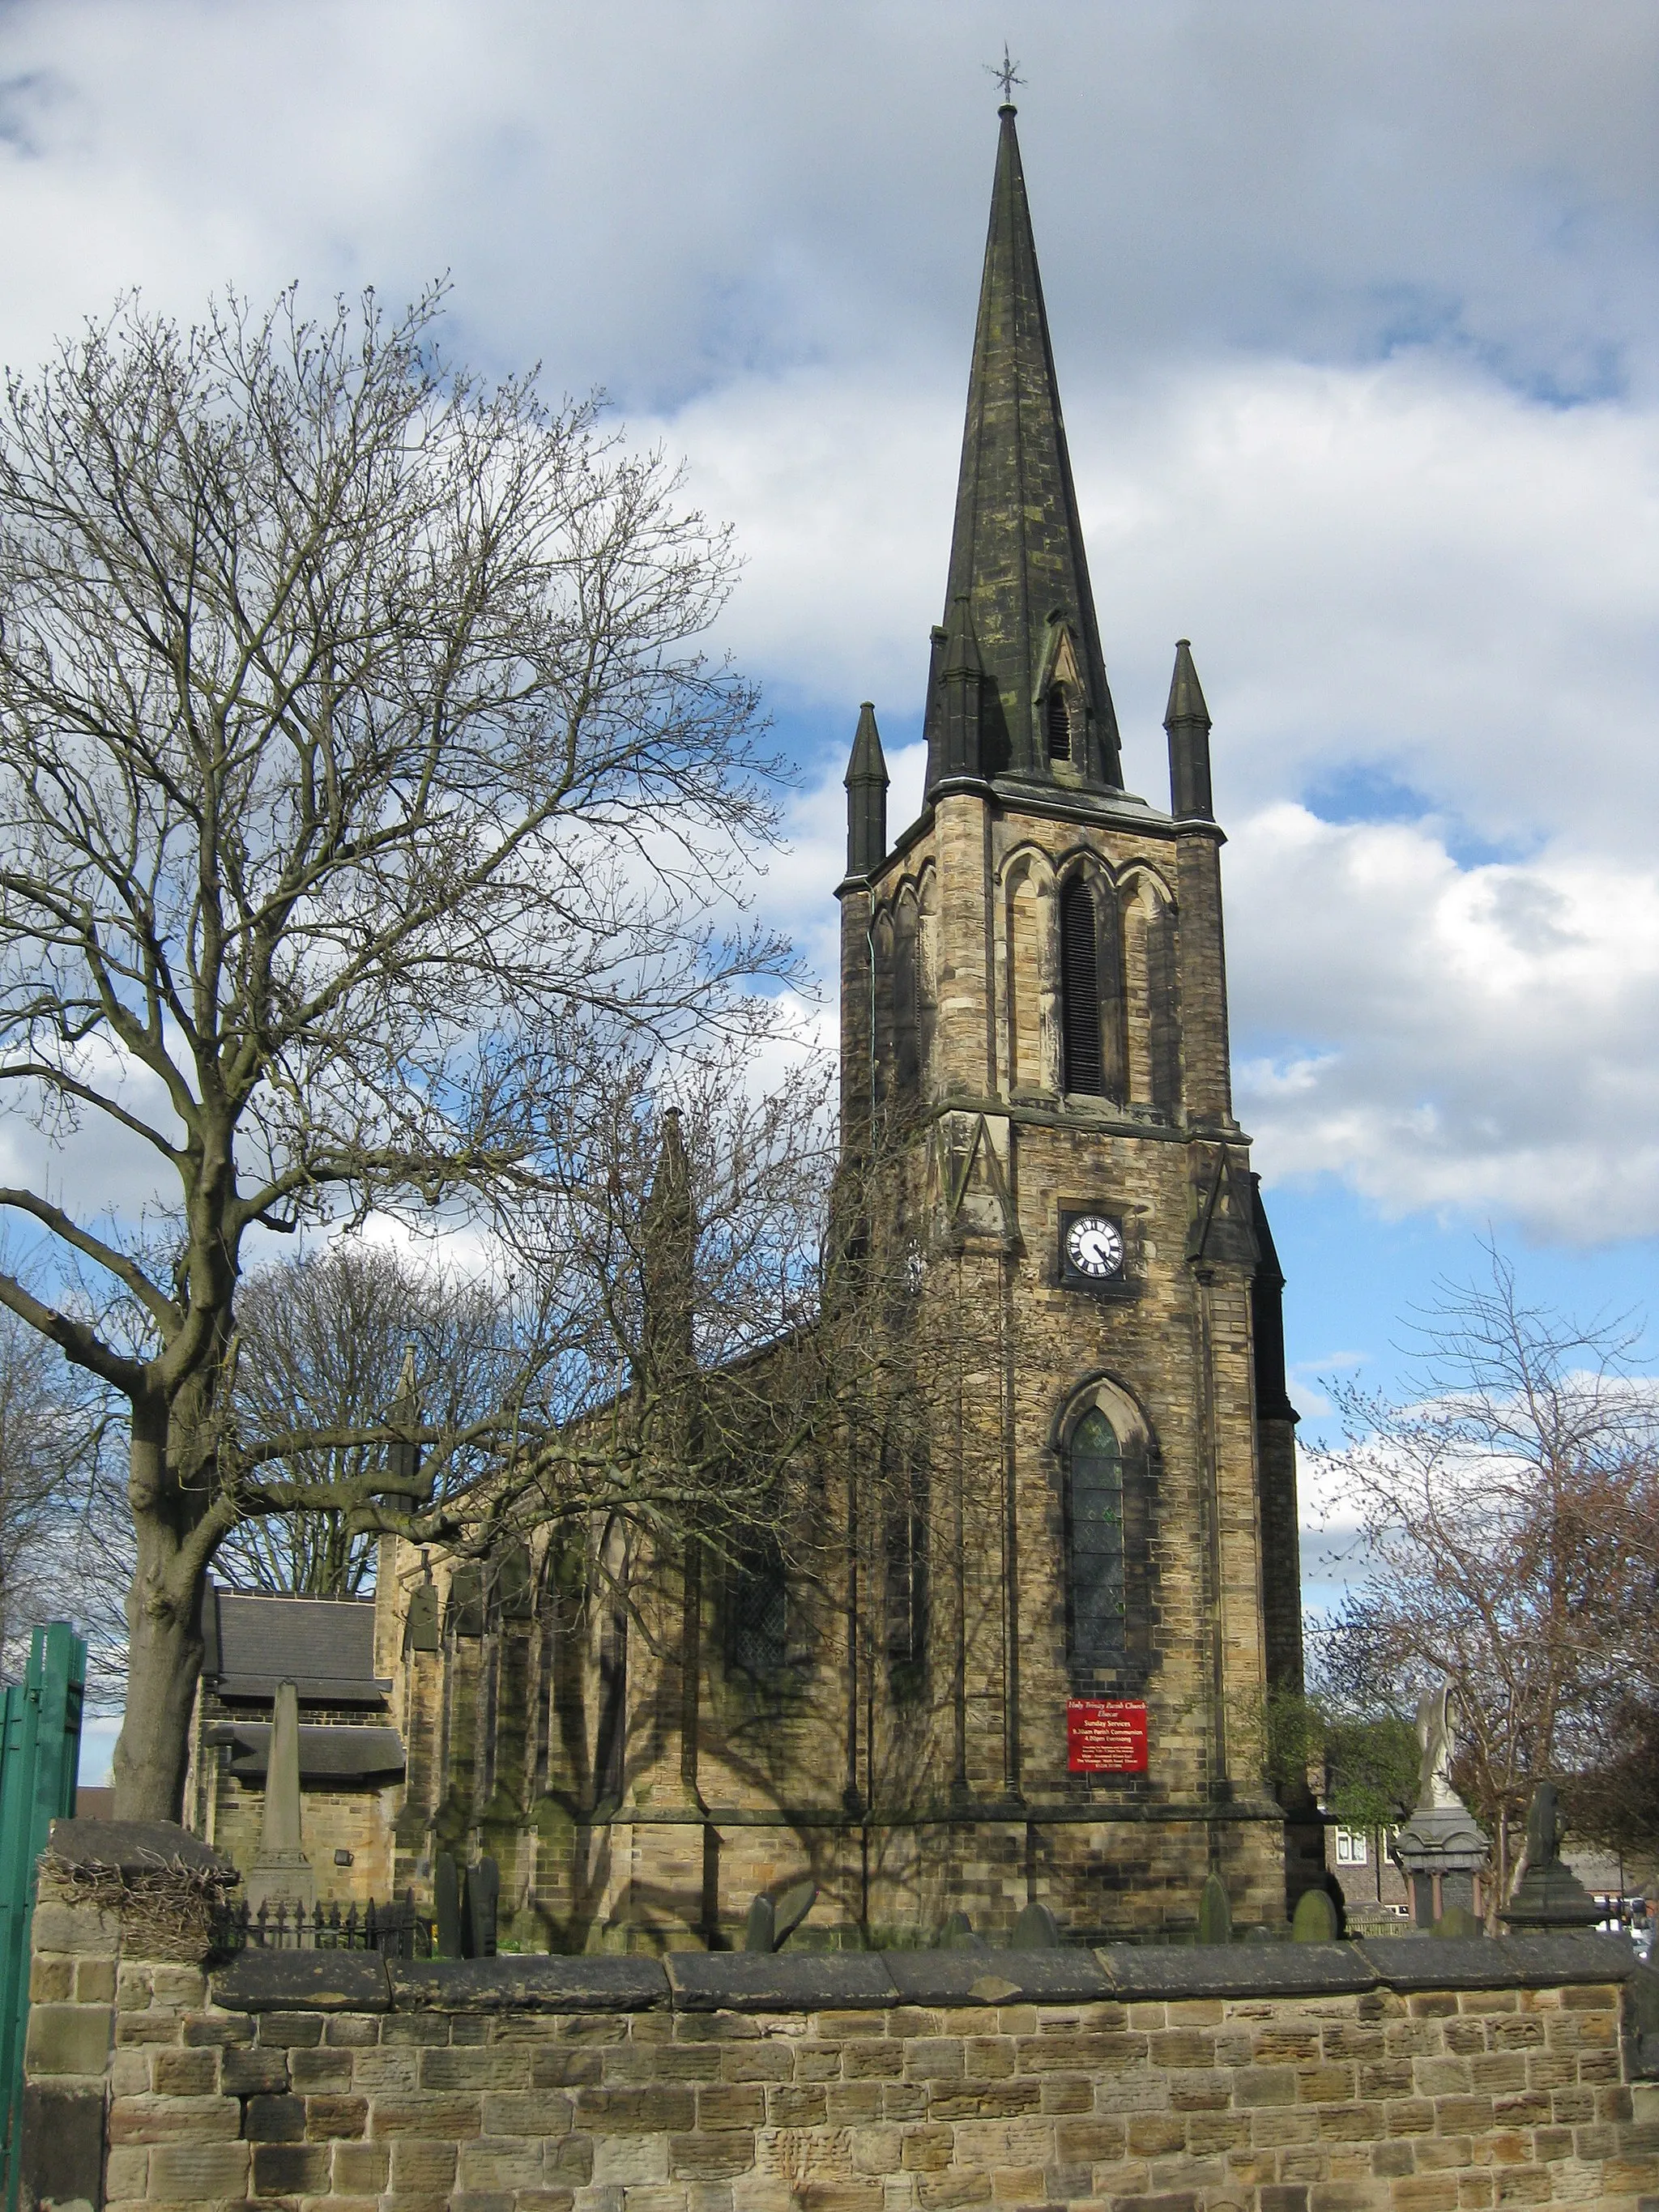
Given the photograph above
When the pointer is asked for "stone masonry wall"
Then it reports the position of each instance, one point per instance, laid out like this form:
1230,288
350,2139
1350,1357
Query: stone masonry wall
1416,2074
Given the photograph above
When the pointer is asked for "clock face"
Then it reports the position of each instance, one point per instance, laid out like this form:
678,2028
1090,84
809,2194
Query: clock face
1094,1247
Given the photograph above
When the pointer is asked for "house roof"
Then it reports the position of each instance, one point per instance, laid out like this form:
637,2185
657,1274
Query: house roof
327,1753
324,1645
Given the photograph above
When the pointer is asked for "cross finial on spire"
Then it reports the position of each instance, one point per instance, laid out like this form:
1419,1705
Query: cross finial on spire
1007,76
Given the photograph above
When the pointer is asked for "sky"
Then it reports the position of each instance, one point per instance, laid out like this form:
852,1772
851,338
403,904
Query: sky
1356,322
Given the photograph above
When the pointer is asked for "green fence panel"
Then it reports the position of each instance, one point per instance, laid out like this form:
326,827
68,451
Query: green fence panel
39,1755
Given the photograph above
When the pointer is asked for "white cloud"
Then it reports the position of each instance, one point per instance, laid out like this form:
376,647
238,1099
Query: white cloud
1479,1041
656,196
1404,567
1312,367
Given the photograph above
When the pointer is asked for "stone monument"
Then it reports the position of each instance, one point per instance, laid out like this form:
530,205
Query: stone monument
281,1874
1548,1893
1441,1847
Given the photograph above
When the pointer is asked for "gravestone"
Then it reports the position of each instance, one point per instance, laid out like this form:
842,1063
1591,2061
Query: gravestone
281,1874
446,1906
1314,1920
957,1935
1458,1924
1549,1895
760,1931
1215,1911
1035,1930
790,1909
1441,1847
481,1897
773,1921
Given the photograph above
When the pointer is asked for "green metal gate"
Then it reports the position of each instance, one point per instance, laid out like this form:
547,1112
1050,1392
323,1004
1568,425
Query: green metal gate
40,1753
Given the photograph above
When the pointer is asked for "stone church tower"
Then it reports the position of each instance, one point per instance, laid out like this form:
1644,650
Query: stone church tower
1033,984
1036,1670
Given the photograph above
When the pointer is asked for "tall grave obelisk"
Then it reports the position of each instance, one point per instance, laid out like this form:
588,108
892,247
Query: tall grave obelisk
283,1874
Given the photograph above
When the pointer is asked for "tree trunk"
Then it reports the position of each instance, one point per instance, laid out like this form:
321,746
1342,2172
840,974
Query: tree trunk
164,1625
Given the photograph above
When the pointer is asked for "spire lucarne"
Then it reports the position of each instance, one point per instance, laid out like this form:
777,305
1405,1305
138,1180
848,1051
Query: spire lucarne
1018,569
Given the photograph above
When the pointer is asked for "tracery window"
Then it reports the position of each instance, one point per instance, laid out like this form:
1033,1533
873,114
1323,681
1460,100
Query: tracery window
1095,1543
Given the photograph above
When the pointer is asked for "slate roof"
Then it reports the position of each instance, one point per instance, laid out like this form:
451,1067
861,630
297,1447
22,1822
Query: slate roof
335,1752
325,1646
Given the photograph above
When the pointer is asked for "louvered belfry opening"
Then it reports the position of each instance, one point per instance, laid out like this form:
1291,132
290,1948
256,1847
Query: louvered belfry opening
1060,726
1080,990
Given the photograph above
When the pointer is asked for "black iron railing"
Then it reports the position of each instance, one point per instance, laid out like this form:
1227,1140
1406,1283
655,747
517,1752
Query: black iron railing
397,1930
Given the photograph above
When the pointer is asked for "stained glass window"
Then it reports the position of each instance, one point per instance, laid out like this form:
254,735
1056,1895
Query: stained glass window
1095,1534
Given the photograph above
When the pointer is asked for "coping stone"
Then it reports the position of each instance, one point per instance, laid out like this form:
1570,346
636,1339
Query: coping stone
1237,1970
1496,1962
780,1981
258,1980
528,1983
136,1847
933,1978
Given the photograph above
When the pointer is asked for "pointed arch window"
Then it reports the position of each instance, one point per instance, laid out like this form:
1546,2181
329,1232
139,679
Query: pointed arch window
905,1544
760,1612
1059,722
907,1025
611,1752
1095,1543
1080,990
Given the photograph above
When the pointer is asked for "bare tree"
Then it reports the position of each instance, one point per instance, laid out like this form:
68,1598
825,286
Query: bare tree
672,1273
1511,1513
356,755
332,1346
52,1425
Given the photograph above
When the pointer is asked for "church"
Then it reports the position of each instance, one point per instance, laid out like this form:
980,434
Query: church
1043,1677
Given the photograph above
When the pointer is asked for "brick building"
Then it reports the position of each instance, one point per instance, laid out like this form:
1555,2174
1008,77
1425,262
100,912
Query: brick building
1043,1678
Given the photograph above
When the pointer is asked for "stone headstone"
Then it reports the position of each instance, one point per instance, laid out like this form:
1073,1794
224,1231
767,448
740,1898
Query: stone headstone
760,1931
773,1921
790,1909
281,1874
957,1935
1215,1911
1035,1930
1458,1924
481,1898
446,1906
1549,1895
1315,1918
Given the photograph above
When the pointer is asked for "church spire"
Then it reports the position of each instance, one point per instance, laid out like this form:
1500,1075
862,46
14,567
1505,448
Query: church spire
866,779
1018,569
1186,718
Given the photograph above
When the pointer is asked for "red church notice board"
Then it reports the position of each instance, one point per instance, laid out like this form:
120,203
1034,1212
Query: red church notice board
1106,1736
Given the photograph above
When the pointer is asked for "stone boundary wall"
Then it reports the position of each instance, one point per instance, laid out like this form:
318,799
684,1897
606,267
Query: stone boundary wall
1410,2073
